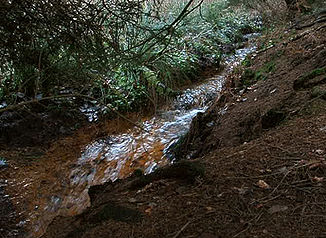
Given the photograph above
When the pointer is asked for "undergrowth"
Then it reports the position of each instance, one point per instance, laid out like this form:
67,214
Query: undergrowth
142,75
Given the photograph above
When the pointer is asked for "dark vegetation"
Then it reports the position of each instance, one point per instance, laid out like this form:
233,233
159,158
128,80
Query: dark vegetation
62,58
120,54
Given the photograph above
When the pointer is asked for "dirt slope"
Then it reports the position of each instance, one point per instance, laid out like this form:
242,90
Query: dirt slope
258,167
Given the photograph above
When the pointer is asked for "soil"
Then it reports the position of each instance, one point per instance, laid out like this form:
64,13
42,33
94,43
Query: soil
257,167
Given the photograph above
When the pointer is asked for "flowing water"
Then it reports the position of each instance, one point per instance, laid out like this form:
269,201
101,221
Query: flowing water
116,157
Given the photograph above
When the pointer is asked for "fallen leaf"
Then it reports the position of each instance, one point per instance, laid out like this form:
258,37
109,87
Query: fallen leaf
148,210
262,184
209,209
318,179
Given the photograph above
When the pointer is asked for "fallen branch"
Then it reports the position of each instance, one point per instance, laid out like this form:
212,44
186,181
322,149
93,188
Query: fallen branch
263,50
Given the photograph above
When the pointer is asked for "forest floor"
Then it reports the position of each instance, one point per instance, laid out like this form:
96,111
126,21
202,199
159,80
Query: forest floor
258,158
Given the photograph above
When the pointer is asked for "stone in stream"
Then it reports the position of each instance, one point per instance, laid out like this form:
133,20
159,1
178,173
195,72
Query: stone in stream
3,163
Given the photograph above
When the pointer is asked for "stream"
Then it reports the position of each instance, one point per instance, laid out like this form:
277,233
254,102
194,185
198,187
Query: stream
117,156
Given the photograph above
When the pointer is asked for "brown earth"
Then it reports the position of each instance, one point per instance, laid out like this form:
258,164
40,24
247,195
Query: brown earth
38,165
258,166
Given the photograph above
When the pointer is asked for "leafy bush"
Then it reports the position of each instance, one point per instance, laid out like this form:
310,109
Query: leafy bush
122,53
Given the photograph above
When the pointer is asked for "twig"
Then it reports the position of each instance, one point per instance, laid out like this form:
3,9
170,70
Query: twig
268,200
280,148
181,230
236,235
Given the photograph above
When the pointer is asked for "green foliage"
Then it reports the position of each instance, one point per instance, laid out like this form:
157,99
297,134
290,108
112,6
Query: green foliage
246,62
123,57
308,79
250,76
314,73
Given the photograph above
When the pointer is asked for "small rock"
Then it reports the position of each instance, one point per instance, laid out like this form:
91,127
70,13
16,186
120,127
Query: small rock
210,124
3,105
277,208
3,163
241,92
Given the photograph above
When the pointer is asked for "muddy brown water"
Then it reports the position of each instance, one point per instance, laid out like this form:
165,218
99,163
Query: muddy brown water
117,156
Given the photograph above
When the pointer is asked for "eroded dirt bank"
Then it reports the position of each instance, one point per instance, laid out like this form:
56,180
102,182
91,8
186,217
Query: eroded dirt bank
258,159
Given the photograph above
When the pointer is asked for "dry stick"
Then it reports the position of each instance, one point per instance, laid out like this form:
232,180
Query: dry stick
12,107
181,230
263,50
236,235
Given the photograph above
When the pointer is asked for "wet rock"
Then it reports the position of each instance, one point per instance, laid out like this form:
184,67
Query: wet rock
228,48
3,163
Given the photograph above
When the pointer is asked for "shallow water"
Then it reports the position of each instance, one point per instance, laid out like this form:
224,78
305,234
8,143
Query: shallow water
116,157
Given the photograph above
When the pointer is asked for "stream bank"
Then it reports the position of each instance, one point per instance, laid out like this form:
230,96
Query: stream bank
57,176
258,167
